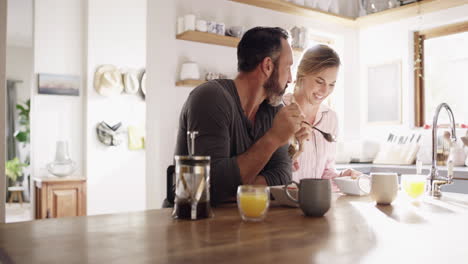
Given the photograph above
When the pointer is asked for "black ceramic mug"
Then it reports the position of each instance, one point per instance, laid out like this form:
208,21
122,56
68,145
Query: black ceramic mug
314,196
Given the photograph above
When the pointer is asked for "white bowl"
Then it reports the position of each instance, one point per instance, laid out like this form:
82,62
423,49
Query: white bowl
279,195
350,186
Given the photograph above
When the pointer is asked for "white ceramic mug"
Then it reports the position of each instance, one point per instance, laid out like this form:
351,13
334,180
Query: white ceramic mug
383,187
211,27
220,29
235,31
189,71
201,25
180,25
189,22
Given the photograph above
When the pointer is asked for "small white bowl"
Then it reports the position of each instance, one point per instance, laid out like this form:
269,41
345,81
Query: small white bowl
350,186
279,195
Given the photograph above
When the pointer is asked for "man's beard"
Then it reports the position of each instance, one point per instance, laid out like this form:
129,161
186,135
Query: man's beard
273,89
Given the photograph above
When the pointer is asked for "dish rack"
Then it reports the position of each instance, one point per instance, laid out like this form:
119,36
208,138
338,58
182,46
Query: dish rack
398,150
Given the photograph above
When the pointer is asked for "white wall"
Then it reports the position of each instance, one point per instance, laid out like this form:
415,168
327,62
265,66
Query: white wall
58,49
20,23
165,99
116,175
19,66
3,29
74,37
394,42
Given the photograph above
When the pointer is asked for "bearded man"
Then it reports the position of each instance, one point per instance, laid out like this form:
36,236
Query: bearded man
241,124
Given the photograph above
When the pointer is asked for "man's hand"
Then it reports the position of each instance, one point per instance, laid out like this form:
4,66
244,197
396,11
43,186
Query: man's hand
305,133
286,123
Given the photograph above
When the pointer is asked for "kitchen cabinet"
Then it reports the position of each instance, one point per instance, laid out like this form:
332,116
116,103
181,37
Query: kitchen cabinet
59,197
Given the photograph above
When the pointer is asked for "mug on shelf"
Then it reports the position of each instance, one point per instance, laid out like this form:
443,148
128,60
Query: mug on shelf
189,22
189,71
201,25
211,27
235,31
180,25
220,29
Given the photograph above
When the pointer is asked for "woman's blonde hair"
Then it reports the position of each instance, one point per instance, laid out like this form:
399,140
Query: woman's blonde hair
315,60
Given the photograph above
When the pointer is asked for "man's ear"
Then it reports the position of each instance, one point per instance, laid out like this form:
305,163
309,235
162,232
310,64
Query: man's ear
267,66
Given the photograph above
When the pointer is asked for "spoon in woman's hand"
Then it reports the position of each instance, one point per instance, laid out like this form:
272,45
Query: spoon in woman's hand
328,137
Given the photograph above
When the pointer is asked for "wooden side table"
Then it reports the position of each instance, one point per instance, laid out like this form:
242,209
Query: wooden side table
60,197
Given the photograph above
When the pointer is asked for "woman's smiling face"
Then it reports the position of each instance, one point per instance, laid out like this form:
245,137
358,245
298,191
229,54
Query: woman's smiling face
317,87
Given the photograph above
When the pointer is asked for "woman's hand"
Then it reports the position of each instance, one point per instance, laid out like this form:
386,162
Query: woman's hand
352,173
295,166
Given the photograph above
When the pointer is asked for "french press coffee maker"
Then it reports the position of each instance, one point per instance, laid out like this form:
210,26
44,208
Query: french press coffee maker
192,195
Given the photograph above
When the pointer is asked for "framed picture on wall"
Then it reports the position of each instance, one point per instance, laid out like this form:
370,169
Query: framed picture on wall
384,93
58,84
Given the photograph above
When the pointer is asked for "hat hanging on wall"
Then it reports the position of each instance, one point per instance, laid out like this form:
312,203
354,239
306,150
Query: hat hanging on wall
108,80
131,81
143,83
110,135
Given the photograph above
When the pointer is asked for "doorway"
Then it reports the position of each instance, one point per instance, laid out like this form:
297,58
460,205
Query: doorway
19,74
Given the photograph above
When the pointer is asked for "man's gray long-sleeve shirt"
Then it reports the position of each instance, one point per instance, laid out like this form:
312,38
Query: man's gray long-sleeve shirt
224,132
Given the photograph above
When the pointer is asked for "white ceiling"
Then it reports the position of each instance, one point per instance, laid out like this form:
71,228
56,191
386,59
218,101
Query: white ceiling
20,23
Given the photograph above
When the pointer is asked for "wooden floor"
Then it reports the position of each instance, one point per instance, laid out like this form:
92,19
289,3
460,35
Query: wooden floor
14,212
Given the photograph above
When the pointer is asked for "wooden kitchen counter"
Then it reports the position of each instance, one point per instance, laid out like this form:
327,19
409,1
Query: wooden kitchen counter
355,230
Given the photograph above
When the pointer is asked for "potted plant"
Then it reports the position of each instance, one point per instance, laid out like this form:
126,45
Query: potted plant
23,135
14,171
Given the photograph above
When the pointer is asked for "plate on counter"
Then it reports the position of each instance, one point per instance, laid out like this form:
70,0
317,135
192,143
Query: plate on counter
350,186
279,195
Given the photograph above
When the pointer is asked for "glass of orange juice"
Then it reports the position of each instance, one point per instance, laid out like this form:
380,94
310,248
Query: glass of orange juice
253,202
413,184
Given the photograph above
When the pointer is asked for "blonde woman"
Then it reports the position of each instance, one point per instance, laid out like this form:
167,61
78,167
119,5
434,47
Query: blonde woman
315,81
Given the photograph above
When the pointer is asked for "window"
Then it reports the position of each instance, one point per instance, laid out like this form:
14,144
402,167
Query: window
441,67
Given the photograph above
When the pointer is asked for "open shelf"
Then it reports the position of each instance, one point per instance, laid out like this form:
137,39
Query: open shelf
394,14
406,11
298,10
190,83
209,38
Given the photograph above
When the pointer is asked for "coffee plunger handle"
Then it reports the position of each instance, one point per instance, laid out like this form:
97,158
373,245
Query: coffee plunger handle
191,135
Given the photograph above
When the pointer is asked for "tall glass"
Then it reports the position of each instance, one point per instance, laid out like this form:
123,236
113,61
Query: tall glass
253,202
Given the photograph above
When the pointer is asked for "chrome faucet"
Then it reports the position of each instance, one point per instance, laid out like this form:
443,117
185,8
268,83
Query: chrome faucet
433,179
